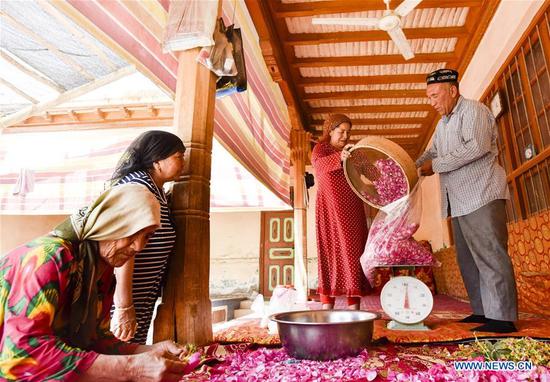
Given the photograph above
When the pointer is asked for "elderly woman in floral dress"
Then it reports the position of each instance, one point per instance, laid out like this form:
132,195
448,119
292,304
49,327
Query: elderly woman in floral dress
56,292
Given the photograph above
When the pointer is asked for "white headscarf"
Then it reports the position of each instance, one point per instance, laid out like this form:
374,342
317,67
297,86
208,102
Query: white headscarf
119,212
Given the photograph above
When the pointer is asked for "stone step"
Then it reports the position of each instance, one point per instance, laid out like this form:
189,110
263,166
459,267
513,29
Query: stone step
245,304
219,314
242,312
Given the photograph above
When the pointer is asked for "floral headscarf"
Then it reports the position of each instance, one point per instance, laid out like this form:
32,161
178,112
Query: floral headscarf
331,123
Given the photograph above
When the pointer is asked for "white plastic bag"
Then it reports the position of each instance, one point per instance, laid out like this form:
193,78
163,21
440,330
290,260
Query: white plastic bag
284,299
190,24
258,305
219,57
390,240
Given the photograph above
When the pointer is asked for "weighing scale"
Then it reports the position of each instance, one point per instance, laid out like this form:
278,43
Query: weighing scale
408,302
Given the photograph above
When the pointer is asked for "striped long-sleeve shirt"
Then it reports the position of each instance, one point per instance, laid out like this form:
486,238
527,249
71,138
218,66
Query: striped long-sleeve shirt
150,264
464,153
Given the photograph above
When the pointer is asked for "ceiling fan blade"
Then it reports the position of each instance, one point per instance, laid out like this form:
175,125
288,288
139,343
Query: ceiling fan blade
363,21
406,7
401,42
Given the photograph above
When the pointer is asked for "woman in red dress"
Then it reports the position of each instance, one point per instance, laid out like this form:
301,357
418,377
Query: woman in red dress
340,219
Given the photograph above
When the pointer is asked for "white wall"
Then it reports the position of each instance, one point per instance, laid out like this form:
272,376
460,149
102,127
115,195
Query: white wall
510,21
234,253
19,229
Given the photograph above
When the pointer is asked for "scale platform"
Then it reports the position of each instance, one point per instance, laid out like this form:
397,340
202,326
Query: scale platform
394,325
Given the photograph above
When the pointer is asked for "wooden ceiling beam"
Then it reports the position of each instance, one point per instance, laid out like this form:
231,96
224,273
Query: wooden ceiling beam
372,35
102,117
371,109
23,114
73,116
90,125
77,33
315,62
338,6
415,93
380,121
18,91
382,131
362,80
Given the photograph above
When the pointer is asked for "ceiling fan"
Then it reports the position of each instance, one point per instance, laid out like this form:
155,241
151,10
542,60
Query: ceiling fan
390,22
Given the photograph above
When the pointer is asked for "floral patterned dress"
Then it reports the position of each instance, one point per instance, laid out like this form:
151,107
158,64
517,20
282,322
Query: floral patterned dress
35,305
341,227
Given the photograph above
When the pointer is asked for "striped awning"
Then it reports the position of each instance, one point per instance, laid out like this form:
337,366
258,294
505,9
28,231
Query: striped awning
253,126
59,172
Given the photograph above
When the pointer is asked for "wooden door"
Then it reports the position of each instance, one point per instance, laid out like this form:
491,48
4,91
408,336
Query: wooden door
276,250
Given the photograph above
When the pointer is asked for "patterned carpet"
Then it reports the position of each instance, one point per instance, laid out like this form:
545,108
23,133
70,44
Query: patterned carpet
443,322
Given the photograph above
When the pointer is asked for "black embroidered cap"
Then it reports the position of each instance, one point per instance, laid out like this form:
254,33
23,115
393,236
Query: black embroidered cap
442,75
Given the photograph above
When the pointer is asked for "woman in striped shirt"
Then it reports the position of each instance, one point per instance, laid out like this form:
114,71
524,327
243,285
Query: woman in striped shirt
154,158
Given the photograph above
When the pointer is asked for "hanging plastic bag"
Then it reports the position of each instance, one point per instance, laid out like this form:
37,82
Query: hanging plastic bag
190,24
227,85
390,240
219,57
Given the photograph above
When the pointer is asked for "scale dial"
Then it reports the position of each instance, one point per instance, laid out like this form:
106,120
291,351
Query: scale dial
406,299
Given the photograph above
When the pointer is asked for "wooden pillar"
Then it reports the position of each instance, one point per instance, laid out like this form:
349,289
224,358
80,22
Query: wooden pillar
300,151
186,314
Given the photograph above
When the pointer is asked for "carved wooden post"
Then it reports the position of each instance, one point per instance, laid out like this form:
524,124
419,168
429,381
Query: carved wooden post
186,313
300,151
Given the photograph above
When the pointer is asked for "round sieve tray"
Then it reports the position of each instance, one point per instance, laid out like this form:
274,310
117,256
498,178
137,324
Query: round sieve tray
363,171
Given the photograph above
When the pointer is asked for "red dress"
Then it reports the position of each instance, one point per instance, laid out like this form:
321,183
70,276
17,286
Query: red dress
341,227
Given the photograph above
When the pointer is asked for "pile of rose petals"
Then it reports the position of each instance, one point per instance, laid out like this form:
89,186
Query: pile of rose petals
390,185
390,242
391,364
276,365
398,247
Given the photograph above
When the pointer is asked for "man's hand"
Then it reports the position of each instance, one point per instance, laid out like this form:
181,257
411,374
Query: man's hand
345,152
426,168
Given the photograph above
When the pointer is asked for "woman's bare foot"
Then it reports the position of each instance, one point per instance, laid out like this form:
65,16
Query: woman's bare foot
328,306
353,307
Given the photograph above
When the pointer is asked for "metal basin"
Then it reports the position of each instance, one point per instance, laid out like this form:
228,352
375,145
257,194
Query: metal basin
325,334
